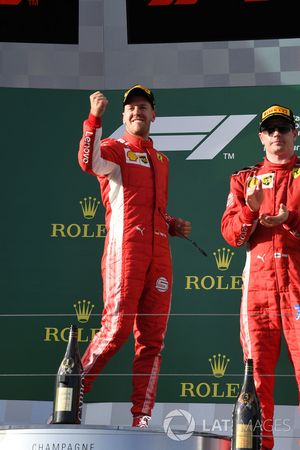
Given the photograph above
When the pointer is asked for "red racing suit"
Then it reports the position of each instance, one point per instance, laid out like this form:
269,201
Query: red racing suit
136,262
271,277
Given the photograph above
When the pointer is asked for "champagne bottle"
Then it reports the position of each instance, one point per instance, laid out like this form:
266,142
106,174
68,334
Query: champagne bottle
246,416
69,384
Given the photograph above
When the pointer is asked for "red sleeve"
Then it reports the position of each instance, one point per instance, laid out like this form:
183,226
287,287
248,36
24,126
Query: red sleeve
238,221
171,221
95,156
293,224
91,126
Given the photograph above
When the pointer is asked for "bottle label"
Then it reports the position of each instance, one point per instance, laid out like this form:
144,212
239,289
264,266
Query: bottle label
246,397
67,365
63,401
244,436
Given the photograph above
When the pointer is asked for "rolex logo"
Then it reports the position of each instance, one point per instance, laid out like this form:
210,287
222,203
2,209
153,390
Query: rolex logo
219,365
223,258
83,310
89,207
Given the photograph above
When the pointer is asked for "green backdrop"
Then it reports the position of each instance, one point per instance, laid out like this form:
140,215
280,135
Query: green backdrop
50,251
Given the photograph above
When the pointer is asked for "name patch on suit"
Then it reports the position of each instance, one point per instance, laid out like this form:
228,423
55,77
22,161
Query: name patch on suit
140,159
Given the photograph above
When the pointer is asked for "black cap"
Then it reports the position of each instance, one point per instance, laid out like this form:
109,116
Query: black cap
274,111
138,89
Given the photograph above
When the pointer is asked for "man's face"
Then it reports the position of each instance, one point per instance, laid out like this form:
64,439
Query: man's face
278,136
137,116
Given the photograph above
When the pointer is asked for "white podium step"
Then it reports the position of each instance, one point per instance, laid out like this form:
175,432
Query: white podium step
84,437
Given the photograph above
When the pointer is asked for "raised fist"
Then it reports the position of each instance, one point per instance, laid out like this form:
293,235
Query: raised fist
98,103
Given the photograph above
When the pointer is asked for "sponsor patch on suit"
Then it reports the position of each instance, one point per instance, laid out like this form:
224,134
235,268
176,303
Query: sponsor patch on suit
140,159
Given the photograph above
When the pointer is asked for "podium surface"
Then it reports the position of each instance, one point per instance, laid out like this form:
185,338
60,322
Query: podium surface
84,437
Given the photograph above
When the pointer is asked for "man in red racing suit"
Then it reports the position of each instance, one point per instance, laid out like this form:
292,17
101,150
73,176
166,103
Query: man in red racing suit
136,263
263,210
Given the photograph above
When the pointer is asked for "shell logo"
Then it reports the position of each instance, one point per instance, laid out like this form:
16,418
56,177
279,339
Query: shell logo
132,156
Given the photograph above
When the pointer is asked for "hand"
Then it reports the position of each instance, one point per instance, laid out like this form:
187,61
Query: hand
254,196
98,104
272,221
182,227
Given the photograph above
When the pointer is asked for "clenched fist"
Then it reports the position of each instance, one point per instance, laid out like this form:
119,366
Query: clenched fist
98,103
183,227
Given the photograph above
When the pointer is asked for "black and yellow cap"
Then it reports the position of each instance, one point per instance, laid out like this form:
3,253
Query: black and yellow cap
277,111
139,89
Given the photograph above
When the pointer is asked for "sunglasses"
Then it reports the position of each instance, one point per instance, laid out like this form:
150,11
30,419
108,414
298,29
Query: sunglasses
283,129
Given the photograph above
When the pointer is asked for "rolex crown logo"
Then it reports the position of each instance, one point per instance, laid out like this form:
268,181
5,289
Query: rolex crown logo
89,207
83,310
223,258
219,365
